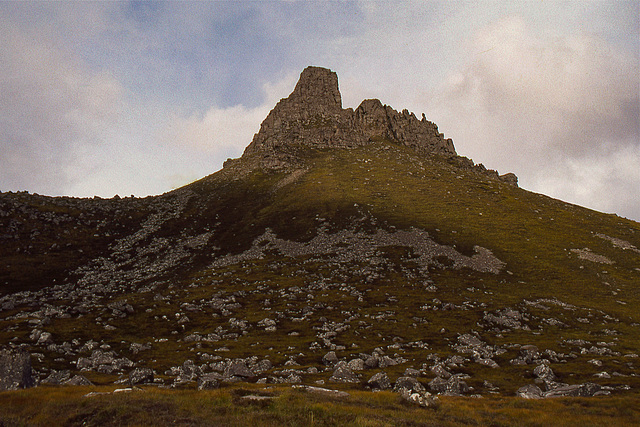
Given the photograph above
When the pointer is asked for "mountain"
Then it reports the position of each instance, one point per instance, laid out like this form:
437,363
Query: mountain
349,249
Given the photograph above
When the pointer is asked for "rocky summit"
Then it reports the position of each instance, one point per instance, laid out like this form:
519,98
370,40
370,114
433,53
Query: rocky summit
345,250
312,116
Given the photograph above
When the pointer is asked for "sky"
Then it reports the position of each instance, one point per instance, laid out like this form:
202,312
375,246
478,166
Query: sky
106,98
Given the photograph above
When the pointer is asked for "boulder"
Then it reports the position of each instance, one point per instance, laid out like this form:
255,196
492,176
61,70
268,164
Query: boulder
261,366
487,362
189,371
45,338
101,357
574,390
440,371
529,353
77,380
386,361
379,381
424,398
141,376
83,363
545,374
356,365
209,381
410,372
238,368
408,383
57,377
15,370
292,378
530,391
330,359
372,361
453,386
469,340
344,375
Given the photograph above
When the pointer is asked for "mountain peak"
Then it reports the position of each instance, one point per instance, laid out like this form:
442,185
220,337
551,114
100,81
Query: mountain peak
312,116
318,87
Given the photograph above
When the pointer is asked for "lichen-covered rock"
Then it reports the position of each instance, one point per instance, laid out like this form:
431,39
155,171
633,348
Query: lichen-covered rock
189,371
408,383
141,376
423,398
372,361
410,372
530,391
209,381
544,373
344,375
238,368
441,371
574,390
15,370
57,377
330,359
78,380
260,366
356,364
379,381
453,386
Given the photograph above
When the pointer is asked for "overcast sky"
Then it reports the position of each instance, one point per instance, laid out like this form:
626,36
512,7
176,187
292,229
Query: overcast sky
139,98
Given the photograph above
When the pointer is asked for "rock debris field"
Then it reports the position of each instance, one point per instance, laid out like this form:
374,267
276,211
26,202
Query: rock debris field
323,313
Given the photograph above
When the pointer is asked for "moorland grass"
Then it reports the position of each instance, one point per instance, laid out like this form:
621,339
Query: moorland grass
150,406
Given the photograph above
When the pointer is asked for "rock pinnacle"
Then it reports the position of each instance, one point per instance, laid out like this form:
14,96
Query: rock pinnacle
312,116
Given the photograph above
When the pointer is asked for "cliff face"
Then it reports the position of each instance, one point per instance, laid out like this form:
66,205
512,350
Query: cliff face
313,116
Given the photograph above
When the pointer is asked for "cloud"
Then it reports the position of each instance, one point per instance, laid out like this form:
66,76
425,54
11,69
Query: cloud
52,106
559,111
223,132
611,181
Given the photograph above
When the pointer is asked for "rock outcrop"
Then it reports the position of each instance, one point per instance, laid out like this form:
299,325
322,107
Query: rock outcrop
313,116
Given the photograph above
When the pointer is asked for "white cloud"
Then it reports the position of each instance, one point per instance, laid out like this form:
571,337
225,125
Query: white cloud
224,132
558,111
52,105
608,183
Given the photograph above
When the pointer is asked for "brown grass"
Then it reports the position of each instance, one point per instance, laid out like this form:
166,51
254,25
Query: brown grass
150,406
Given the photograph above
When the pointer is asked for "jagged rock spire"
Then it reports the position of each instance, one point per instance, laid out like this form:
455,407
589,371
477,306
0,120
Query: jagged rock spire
318,88
313,116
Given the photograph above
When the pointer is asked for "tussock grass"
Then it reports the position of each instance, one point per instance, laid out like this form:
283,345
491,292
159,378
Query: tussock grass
67,406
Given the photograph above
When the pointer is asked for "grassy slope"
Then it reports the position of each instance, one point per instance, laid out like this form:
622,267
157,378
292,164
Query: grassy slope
533,234
57,235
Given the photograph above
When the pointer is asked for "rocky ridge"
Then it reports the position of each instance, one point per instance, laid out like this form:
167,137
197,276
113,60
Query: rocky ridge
313,117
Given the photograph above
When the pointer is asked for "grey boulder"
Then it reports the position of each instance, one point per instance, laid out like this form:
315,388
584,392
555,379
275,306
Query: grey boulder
15,370
408,383
141,376
379,381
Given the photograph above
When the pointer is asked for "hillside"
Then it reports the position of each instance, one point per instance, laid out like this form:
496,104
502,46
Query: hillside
347,249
